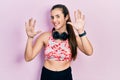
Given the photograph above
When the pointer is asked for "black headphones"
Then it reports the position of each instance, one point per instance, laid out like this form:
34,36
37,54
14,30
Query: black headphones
57,35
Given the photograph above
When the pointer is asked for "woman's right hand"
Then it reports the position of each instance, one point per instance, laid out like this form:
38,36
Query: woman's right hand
30,25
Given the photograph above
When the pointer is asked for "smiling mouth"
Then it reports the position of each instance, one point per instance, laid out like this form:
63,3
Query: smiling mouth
56,24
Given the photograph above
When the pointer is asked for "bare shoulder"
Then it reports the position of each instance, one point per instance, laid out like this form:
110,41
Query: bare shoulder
44,36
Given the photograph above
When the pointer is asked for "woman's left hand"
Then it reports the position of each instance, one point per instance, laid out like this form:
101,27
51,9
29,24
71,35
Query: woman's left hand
79,21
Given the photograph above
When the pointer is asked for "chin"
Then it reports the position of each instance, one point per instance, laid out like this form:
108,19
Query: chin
57,27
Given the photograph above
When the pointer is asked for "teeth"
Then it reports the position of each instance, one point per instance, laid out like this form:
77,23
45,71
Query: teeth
56,24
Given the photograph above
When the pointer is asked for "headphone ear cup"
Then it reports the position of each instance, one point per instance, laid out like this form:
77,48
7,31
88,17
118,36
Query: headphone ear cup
64,36
55,35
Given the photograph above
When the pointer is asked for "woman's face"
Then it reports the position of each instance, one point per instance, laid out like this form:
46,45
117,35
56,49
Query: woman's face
58,19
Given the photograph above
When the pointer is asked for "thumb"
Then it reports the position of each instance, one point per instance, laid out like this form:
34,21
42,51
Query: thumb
70,23
37,32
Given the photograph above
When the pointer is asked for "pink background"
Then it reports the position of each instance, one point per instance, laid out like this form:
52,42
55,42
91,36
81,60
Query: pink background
102,26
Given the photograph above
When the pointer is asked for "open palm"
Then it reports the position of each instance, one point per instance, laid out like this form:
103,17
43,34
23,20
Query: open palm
30,25
79,21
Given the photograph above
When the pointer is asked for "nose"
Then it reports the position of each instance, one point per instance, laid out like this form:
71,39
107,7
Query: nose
54,19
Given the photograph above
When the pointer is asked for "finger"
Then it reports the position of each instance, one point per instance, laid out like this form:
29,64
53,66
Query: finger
70,23
34,23
30,22
83,17
75,15
78,13
26,25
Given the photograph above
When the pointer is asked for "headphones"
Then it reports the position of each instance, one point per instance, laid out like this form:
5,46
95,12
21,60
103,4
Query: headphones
57,35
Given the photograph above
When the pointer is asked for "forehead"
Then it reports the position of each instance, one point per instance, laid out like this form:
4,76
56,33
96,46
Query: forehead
56,11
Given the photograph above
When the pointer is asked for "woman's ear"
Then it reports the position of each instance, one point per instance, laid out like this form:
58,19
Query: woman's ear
67,17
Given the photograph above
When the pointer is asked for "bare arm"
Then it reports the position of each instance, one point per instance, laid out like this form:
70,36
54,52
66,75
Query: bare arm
32,50
28,49
83,43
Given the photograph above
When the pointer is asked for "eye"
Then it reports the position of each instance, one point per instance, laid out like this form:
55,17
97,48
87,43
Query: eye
57,16
52,17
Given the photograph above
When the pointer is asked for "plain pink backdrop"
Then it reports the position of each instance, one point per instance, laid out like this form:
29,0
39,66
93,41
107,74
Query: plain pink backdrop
102,26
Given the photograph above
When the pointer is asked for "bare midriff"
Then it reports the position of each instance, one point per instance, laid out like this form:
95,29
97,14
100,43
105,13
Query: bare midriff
56,65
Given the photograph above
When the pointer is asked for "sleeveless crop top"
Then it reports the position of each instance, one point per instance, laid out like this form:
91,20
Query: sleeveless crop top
58,51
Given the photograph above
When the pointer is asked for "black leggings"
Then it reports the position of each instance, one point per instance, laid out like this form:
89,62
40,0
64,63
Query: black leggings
56,75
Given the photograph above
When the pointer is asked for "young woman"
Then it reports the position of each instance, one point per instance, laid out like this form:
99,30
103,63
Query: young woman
60,43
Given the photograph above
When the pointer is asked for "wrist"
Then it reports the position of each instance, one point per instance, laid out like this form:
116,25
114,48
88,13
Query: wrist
80,31
82,34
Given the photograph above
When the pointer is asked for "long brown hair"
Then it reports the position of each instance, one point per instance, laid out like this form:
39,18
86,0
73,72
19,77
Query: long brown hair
72,37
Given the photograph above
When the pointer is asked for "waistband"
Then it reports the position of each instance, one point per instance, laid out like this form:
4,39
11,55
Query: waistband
62,71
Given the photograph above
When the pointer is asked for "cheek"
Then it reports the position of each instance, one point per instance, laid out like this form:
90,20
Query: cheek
51,21
63,21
